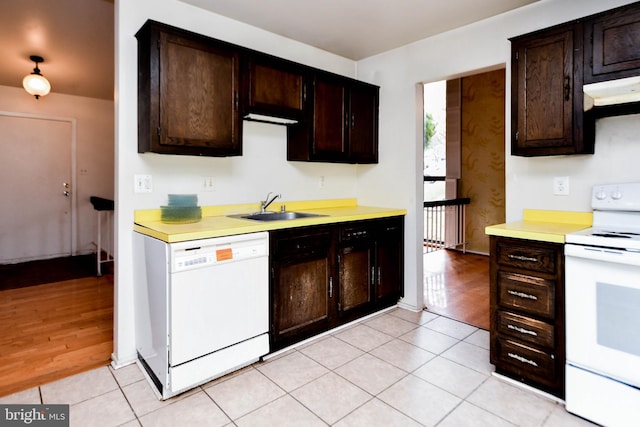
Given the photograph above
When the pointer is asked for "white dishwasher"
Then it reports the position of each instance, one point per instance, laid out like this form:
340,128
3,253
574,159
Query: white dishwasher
202,307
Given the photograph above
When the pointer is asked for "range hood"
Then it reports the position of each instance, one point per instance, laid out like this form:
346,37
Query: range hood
269,119
612,92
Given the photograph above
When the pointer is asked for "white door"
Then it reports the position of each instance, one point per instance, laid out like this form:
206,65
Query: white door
36,202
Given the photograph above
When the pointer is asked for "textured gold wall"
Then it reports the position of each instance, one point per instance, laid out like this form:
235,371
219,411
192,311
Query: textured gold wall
482,154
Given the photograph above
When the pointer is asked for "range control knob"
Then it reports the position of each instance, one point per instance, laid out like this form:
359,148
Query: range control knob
600,194
616,194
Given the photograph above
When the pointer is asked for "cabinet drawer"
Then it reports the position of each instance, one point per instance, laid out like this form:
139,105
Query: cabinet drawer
526,293
525,329
355,233
286,245
527,257
526,361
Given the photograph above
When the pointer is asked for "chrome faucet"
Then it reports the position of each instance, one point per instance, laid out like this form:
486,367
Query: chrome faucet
264,204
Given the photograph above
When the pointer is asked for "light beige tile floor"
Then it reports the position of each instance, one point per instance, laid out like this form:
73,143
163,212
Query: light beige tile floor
396,369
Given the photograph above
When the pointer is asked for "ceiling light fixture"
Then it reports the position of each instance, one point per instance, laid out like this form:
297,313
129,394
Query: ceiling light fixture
35,83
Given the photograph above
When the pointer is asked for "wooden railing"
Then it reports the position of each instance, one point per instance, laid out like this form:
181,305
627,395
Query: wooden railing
444,224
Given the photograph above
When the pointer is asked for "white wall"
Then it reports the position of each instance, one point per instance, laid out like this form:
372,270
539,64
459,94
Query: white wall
474,48
247,179
94,149
395,182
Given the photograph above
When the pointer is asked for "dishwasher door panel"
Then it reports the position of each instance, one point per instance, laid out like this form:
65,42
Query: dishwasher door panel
215,307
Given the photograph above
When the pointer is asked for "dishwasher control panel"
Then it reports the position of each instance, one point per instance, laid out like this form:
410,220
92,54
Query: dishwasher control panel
209,252
186,262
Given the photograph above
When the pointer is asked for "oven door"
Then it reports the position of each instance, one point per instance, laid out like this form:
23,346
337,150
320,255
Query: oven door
603,311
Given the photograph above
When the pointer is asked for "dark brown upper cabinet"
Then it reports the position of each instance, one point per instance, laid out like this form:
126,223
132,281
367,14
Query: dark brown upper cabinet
341,125
363,123
194,92
548,70
546,93
273,87
188,88
612,44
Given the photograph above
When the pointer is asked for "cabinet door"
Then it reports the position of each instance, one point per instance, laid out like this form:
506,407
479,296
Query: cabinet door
341,126
275,87
355,280
547,94
612,45
363,123
329,120
301,276
198,97
389,260
187,93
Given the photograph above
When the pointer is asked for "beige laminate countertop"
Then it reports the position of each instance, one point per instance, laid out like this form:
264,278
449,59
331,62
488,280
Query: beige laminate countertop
216,222
543,225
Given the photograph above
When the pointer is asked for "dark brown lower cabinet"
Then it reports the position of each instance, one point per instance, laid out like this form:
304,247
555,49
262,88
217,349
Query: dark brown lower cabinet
527,312
301,281
325,276
356,258
389,260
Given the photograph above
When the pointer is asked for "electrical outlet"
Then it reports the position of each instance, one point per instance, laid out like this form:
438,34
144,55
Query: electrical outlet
142,184
561,186
207,183
321,182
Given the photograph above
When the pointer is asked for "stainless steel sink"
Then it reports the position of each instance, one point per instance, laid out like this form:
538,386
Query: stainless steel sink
276,216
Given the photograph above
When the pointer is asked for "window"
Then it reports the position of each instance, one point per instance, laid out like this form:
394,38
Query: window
435,140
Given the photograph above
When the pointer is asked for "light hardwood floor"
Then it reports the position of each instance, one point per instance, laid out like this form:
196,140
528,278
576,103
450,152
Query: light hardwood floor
456,285
54,330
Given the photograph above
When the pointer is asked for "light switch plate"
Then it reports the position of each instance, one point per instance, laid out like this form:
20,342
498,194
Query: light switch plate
142,184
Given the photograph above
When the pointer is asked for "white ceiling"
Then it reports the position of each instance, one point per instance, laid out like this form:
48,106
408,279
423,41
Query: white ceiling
357,29
75,37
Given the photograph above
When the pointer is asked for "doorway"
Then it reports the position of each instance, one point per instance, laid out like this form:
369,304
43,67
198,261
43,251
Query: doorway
38,206
457,284
71,307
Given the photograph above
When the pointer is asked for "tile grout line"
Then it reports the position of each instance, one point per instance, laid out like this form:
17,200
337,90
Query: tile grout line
124,395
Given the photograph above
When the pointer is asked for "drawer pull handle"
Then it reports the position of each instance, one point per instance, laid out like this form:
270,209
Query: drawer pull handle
522,258
522,359
522,295
522,330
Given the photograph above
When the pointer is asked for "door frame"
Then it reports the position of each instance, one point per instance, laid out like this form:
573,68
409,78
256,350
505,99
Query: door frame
73,154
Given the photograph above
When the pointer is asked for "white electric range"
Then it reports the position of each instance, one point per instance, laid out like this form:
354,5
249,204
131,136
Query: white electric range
602,294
